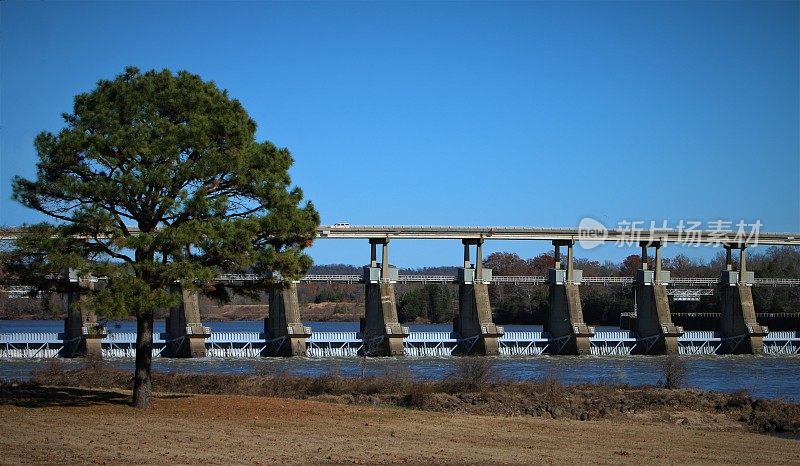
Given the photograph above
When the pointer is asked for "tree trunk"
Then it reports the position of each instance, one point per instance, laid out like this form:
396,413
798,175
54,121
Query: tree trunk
142,383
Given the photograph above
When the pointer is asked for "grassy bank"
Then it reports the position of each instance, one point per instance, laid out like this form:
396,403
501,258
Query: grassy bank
474,387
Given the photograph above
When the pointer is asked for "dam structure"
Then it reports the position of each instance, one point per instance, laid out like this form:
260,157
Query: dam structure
652,330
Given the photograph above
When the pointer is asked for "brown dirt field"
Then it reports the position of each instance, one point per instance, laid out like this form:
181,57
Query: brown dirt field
70,425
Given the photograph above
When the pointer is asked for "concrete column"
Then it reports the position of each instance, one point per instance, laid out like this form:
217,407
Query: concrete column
644,255
742,263
654,326
283,326
728,258
738,324
657,333
382,333
385,261
570,265
568,331
76,328
658,262
556,255
479,261
185,331
373,261
477,334
82,335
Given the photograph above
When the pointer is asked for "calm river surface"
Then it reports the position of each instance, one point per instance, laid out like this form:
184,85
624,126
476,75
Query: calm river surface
763,376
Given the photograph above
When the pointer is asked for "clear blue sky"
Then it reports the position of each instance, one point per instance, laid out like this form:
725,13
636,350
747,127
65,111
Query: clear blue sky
457,113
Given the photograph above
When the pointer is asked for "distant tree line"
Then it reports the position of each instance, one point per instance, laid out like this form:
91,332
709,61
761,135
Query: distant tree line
602,305
516,304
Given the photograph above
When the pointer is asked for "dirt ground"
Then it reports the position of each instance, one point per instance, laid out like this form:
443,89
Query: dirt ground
69,425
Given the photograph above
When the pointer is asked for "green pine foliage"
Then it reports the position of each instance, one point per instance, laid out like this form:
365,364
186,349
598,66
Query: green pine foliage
157,179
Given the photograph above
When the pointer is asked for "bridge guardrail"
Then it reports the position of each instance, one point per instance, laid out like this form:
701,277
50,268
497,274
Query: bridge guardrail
430,336
31,337
694,281
523,336
704,335
622,280
517,279
336,337
235,337
778,281
782,335
621,335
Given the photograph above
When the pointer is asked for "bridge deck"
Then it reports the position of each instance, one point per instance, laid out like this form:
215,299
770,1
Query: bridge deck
622,236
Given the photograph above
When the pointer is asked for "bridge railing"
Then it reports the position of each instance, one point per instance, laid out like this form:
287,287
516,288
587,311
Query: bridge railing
615,335
235,337
778,281
523,336
30,337
519,279
123,337
430,336
700,335
331,278
338,337
608,280
694,280
782,335
426,279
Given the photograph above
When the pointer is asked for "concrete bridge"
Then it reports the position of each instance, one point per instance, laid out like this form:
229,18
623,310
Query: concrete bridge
476,333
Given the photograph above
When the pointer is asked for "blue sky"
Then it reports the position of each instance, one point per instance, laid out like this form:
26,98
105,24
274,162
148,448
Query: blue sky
457,113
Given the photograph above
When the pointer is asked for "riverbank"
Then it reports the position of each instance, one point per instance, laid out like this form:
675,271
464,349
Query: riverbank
474,387
73,425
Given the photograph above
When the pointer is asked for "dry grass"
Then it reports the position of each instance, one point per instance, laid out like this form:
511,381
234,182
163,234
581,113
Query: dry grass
674,371
472,388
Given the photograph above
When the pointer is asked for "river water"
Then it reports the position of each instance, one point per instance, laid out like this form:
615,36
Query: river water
764,376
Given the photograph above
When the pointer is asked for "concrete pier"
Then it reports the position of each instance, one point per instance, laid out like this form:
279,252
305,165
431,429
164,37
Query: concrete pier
381,332
565,324
283,326
738,324
473,323
653,319
185,331
82,333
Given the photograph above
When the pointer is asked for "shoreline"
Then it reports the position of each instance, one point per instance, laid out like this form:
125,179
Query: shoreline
68,426
474,387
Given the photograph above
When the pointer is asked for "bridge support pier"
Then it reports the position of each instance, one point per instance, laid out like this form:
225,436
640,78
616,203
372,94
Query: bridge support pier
186,333
283,326
657,333
382,333
477,334
82,333
738,325
569,333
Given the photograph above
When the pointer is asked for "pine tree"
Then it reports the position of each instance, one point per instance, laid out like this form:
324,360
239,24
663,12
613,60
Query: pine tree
155,180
